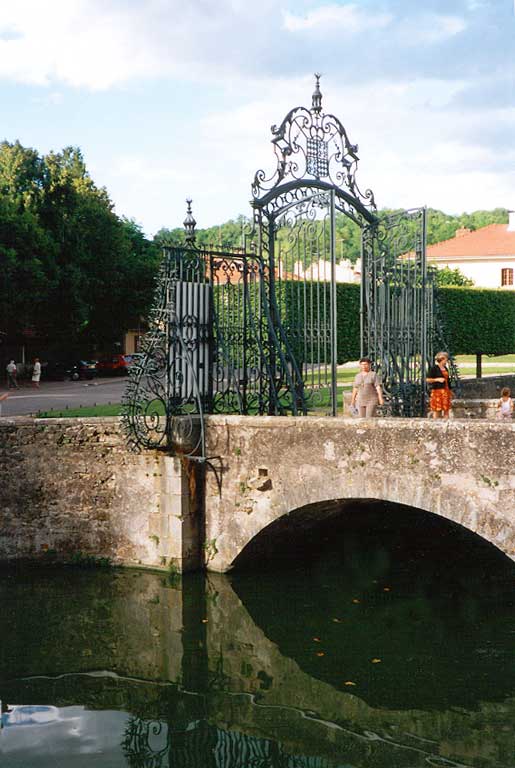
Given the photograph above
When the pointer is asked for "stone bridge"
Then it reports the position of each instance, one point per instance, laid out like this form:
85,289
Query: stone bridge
70,489
292,469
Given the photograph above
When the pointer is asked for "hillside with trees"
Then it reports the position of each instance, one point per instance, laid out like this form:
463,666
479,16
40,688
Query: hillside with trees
440,226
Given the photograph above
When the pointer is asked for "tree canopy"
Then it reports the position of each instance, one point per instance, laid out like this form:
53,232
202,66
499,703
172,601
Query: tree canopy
72,271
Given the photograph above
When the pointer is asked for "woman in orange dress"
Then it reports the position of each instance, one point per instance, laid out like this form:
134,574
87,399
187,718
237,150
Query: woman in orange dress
441,395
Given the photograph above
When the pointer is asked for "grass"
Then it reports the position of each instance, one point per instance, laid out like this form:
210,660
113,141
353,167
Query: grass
345,377
112,409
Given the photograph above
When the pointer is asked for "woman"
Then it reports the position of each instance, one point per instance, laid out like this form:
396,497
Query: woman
438,379
366,390
36,373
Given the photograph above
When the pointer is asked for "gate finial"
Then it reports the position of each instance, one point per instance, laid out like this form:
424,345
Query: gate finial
317,95
189,226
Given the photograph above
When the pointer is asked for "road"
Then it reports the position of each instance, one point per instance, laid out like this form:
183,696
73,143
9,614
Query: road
59,394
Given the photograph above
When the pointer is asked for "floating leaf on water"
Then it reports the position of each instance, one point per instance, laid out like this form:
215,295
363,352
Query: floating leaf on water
338,621
376,661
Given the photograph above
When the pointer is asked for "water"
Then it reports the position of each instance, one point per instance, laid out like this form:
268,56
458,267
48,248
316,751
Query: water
386,650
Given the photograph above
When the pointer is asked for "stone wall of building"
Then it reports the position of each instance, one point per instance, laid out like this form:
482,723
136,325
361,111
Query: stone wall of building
70,489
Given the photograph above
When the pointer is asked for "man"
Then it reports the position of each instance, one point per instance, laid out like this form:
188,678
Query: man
11,375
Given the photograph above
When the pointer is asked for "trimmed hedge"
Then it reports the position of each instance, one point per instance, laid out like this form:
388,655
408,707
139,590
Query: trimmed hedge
348,303
477,320
472,320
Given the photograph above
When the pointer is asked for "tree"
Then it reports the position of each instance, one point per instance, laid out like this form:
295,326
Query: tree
448,276
73,271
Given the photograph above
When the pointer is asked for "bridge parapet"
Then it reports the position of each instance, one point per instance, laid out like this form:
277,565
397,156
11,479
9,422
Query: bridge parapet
273,467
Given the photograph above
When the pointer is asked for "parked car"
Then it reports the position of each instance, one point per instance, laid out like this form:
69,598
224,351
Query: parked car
57,370
82,369
116,365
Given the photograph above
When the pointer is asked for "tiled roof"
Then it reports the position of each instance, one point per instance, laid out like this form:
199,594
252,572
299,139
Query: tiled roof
493,240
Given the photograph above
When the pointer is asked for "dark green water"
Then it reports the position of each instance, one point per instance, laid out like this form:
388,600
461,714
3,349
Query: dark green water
392,647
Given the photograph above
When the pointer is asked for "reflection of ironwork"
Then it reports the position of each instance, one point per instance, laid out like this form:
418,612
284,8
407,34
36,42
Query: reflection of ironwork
398,308
146,743
156,744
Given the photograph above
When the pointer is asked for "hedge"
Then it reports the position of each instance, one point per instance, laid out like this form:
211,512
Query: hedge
477,320
472,320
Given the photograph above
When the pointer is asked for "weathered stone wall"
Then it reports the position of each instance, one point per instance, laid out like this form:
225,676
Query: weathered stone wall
70,487
487,387
274,466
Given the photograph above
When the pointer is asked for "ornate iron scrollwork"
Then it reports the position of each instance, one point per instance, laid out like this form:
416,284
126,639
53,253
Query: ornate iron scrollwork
312,151
167,390
253,330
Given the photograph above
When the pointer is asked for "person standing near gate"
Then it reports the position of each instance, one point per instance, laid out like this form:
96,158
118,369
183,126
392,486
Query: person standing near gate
11,375
439,382
367,392
36,373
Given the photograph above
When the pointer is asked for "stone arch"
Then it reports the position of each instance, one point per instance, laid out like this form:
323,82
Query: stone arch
460,471
301,531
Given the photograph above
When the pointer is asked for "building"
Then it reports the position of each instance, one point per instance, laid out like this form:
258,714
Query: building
486,255
345,271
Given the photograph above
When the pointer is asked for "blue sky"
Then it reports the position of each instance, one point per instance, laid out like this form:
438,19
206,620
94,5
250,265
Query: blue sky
172,99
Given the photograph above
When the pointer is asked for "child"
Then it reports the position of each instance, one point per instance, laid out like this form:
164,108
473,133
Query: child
505,405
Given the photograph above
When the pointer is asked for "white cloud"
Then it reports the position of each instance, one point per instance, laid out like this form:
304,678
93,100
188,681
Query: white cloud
346,18
433,28
414,149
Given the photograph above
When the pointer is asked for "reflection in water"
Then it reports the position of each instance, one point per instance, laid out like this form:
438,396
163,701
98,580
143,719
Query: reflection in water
372,656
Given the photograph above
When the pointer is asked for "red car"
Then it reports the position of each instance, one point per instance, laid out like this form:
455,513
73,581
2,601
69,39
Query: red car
116,365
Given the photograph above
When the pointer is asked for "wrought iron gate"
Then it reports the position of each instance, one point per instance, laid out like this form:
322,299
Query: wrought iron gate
295,211
397,308
254,330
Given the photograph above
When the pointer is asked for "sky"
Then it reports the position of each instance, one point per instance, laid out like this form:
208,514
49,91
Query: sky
172,99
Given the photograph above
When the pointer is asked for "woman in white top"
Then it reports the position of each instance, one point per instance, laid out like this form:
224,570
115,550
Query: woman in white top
36,373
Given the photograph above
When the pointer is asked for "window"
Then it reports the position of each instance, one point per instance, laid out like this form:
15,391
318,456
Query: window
507,276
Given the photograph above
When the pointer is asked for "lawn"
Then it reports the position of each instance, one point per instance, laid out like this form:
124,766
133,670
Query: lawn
466,364
112,409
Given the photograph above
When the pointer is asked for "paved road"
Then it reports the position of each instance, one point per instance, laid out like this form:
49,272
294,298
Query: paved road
59,394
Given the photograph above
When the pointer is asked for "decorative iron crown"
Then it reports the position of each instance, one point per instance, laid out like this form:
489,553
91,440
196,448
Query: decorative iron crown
312,146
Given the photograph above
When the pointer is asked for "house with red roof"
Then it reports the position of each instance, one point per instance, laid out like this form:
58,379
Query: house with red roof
486,255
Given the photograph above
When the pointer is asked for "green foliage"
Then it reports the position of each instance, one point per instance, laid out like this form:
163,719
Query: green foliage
440,226
73,271
348,328
478,321
448,276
